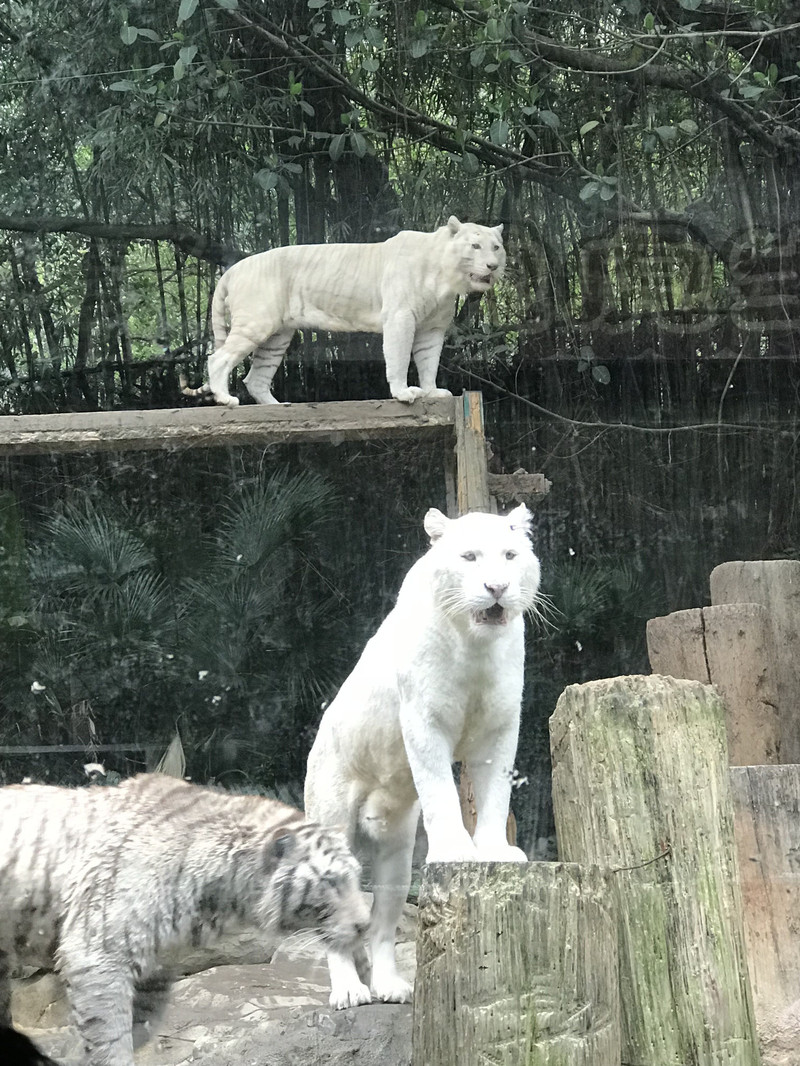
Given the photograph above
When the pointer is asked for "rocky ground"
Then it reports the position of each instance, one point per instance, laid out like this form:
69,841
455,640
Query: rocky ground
244,1013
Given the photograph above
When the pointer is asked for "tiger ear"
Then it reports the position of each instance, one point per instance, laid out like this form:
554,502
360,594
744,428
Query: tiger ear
499,230
435,524
283,845
453,224
520,518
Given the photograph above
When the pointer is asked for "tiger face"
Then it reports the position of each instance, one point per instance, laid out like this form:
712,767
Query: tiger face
316,886
483,567
480,253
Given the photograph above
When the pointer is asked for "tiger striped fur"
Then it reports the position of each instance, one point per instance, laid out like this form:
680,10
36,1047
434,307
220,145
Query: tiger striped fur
96,882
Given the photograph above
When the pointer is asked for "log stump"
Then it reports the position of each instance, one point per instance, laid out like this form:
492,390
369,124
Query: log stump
766,802
731,647
776,585
516,966
640,784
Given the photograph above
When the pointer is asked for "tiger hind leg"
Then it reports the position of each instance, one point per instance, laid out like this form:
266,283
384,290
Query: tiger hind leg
222,362
267,358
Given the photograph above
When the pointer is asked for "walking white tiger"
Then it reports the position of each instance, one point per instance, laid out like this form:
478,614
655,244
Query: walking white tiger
96,881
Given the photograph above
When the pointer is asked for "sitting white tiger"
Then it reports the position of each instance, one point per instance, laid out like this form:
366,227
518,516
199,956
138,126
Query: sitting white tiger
404,288
98,881
441,681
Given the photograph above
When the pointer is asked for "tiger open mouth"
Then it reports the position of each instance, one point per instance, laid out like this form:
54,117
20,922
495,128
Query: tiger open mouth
481,279
492,616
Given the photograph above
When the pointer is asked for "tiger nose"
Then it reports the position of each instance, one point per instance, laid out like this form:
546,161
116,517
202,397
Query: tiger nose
496,590
492,266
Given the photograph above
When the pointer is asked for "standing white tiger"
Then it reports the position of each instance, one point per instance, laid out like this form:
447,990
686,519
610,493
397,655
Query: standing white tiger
404,288
441,681
99,880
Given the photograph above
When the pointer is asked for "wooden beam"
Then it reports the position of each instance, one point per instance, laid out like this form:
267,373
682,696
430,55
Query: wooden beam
214,426
471,482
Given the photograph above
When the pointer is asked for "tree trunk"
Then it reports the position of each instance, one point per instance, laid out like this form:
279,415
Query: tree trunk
766,801
776,585
732,648
640,784
516,966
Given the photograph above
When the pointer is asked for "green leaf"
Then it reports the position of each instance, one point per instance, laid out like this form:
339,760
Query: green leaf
649,22
666,133
477,55
186,9
601,374
550,118
178,70
341,16
128,34
587,127
590,189
353,37
607,192
688,126
371,64
316,4
751,92
373,36
267,179
498,131
690,5
470,164
160,119
418,47
124,86
337,146
228,5
187,54
358,142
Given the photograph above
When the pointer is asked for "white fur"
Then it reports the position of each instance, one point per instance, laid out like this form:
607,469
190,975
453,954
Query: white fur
438,683
404,288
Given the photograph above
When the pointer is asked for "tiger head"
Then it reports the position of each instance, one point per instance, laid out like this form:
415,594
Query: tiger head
482,568
316,886
478,252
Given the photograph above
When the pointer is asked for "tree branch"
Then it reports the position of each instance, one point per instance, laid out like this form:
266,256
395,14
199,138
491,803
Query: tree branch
194,244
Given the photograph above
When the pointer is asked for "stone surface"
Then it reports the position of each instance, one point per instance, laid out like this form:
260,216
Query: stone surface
245,1015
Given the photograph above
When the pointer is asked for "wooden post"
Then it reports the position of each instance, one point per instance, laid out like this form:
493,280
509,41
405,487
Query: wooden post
471,481
516,966
766,803
640,784
776,585
732,648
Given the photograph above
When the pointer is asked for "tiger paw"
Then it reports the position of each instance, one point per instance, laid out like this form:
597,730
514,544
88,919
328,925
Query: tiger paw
408,394
352,994
392,990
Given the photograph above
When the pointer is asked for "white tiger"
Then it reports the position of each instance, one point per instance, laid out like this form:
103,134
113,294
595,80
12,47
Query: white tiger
404,288
441,681
97,882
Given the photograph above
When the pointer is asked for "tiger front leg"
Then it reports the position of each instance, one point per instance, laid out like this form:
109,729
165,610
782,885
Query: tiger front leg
398,338
427,350
491,769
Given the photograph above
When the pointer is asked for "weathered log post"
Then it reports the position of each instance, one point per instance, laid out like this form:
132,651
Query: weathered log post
766,802
731,647
516,966
775,584
640,784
